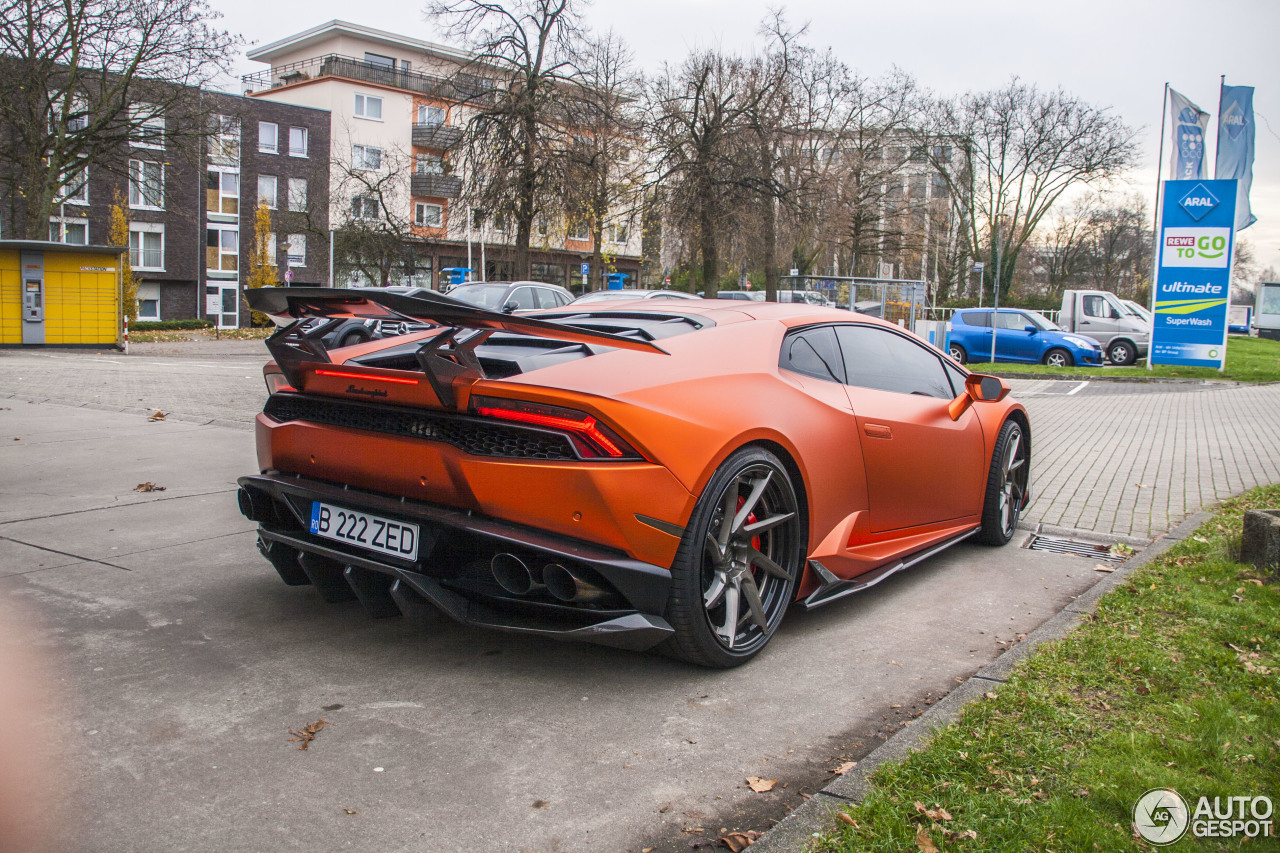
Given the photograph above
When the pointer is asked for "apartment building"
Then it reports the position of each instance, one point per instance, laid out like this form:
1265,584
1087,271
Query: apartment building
191,202
394,103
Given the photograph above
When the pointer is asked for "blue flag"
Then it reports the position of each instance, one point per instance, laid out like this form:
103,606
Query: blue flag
1235,147
1186,161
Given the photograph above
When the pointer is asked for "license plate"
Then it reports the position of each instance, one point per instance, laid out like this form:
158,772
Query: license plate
393,538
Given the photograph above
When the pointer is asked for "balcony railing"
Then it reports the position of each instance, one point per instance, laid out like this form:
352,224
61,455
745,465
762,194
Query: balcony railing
458,88
436,135
438,186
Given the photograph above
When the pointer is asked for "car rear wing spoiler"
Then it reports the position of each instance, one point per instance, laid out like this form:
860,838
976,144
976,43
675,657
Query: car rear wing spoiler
444,358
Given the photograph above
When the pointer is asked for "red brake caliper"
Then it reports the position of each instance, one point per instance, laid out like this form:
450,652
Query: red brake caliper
751,519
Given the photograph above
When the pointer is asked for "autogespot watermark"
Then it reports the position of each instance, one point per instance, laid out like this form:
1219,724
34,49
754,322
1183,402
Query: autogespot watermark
1161,816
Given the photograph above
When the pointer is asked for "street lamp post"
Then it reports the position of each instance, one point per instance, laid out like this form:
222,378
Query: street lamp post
978,268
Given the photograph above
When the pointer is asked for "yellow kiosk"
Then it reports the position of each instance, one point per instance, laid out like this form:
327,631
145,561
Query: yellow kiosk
59,294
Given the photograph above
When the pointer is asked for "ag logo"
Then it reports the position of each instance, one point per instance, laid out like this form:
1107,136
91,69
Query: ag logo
1161,816
1198,202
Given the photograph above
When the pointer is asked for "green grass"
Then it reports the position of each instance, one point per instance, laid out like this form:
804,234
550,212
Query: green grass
1173,683
1248,360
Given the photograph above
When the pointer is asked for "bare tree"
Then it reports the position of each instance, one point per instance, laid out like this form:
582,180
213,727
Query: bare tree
695,128
372,231
516,133
80,79
606,171
1016,151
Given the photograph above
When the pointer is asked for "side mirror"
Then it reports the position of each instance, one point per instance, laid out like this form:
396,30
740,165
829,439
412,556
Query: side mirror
979,388
510,307
1029,328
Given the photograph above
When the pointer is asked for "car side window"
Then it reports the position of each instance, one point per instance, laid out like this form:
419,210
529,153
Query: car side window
523,298
957,377
1013,321
878,358
545,298
1096,306
813,352
976,319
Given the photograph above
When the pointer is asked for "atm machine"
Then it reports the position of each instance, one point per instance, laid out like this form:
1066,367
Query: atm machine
33,297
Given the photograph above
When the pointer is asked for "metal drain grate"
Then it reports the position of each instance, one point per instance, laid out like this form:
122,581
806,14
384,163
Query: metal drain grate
1058,545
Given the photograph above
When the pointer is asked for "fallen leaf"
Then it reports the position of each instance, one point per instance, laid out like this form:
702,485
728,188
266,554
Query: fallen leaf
349,811
845,817
307,733
1253,580
739,841
1200,539
845,768
960,836
938,813
1102,568
923,842
148,487
157,415
761,786
648,850
989,695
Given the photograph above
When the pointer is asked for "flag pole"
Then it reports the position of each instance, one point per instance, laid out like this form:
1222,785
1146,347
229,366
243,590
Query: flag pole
1217,147
1155,229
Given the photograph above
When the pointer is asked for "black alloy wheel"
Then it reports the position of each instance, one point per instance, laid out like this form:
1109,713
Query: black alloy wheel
739,563
1006,485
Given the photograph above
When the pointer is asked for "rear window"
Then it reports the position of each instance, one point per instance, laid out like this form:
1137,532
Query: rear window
976,318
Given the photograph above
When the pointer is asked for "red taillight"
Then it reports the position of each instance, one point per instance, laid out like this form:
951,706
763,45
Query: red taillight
366,377
276,382
593,439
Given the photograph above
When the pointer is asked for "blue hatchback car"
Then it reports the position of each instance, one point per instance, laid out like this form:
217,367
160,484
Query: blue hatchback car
1021,336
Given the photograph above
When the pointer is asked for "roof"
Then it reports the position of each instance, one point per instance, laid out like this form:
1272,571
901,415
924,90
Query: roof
49,246
322,32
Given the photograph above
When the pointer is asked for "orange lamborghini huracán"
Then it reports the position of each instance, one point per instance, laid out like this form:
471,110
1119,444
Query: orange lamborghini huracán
650,473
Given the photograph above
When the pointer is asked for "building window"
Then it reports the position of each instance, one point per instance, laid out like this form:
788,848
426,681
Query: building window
366,157
146,185
149,309
67,230
379,60
428,215
149,126
297,250
222,193
579,231
298,194
297,142
364,207
271,248
76,186
368,106
222,249
428,164
267,190
224,144
146,245
430,115
268,137
617,233
543,227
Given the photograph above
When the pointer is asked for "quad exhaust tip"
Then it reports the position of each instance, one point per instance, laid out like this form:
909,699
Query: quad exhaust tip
567,584
513,574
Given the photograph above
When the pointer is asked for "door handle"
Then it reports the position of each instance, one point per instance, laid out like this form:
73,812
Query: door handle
877,431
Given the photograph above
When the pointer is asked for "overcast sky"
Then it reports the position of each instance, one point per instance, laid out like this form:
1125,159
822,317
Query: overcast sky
1113,53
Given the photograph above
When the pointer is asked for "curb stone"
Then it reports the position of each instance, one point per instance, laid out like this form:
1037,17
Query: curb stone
797,830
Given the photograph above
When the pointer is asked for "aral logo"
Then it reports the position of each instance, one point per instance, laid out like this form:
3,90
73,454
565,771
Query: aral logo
1199,202
1233,120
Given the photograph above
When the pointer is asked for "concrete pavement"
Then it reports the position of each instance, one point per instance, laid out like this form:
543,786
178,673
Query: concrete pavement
182,662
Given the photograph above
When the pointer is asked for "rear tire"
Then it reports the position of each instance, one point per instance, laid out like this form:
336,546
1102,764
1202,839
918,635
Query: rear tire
738,564
1058,357
958,353
1122,353
1007,480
